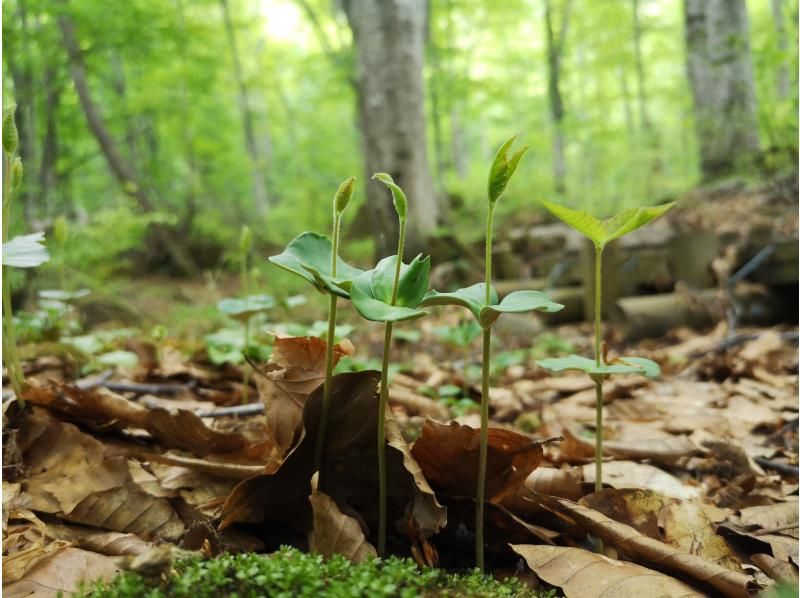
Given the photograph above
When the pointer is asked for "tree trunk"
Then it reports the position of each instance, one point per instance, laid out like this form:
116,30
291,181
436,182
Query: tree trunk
47,166
721,77
259,185
390,43
121,168
644,117
782,72
555,47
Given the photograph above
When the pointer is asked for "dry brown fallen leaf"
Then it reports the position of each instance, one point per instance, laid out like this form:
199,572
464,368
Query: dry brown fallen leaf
71,476
584,574
62,573
349,473
782,516
334,532
652,552
688,528
636,507
628,474
665,450
296,368
448,456
25,544
780,571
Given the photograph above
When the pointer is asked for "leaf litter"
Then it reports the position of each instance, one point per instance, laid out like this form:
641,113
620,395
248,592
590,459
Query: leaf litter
700,490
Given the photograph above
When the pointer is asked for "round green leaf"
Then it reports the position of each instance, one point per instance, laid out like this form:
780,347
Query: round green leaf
242,309
628,365
61,295
371,293
472,297
519,302
309,256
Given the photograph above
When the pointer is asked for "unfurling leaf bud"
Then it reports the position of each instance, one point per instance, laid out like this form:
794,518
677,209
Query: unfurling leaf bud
158,332
502,169
399,197
10,134
16,173
61,230
245,240
344,194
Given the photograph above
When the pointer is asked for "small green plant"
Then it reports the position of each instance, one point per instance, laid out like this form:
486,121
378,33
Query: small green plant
483,302
27,251
389,293
248,306
289,572
602,232
316,259
61,236
461,336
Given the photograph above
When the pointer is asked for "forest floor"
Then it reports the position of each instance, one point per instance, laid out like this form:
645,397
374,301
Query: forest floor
115,462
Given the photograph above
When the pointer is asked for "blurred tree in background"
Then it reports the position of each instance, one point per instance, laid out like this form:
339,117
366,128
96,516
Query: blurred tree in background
160,126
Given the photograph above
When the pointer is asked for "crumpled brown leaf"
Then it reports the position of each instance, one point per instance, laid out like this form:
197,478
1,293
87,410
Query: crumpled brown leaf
688,528
584,574
334,532
296,368
780,571
650,551
448,456
71,476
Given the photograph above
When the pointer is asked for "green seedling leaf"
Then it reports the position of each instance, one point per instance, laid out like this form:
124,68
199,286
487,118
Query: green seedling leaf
398,195
63,296
502,169
461,335
10,134
309,256
601,232
408,336
25,251
627,365
343,195
371,293
243,309
122,359
293,301
474,299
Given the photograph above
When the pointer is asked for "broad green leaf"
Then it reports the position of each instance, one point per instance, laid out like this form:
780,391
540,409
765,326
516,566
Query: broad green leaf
627,365
502,169
474,299
371,293
26,251
519,302
601,232
242,309
309,256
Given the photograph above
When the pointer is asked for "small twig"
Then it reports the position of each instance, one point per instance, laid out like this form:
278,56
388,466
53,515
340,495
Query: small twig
784,468
87,383
772,530
249,409
144,388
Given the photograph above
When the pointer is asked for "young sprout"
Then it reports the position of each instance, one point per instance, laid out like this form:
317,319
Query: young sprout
389,293
315,259
602,232
483,302
27,251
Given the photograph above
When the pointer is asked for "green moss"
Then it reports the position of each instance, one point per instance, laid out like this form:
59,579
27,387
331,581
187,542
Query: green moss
290,573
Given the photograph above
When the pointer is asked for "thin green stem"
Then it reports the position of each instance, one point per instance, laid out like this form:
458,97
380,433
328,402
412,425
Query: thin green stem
13,364
598,382
383,398
384,395
331,339
246,375
485,367
598,448
484,445
598,304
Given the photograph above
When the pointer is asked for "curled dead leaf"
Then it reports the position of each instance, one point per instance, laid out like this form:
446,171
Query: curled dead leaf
448,456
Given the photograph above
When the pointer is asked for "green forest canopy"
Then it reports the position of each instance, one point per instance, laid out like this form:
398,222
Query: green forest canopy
164,76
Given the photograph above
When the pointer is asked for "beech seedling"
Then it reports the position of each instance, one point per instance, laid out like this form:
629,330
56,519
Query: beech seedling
483,302
316,259
601,233
391,292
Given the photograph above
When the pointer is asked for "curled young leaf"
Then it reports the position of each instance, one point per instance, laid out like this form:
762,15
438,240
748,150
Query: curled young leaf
10,134
309,256
344,194
601,232
474,299
398,195
17,173
502,169
371,293
245,240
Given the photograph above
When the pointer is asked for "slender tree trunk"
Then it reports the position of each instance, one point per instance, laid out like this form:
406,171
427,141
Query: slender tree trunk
641,93
259,184
782,85
47,166
123,171
390,44
721,77
555,47
626,104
